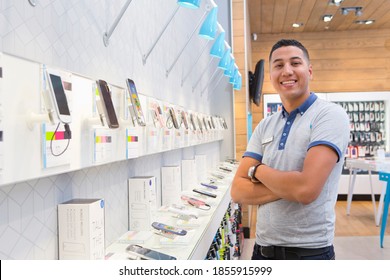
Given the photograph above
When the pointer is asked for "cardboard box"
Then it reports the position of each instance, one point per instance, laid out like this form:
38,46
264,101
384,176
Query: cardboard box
142,202
170,185
81,229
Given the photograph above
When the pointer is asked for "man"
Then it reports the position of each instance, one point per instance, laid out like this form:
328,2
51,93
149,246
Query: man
293,163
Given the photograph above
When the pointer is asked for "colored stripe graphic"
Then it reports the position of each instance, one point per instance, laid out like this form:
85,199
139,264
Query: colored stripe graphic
103,139
59,135
132,138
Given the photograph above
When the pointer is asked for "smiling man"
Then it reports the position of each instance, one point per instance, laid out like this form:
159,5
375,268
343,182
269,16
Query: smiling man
292,165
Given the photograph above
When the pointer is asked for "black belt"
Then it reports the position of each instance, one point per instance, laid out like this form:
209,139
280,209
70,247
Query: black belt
280,252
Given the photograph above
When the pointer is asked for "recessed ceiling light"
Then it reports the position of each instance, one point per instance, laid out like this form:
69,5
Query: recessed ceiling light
368,21
297,24
336,2
327,18
357,10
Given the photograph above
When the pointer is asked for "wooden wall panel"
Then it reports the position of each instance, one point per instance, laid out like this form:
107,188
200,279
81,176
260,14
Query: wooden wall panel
342,61
240,52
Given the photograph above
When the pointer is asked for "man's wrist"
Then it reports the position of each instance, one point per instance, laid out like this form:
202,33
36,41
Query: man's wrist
252,173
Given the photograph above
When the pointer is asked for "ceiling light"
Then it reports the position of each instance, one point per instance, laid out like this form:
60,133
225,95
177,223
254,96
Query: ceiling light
336,2
368,21
356,10
327,18
297,24
254,36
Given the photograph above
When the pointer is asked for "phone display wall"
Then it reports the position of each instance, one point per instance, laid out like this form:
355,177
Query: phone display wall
46,152
367,127
61,40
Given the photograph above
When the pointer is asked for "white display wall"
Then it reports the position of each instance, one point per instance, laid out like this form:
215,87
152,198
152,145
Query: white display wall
69,35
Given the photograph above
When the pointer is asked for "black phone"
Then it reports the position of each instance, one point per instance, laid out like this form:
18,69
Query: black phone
192,122
108,106
212,122
136,108
205,124
209,194
173,117
147,254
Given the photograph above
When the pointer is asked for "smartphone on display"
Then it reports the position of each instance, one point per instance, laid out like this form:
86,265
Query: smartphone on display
223,123
204,123
192,122
210,186
136,109
209,194
57,97
108,106
181,211
147,254
212,122
170,229
173,117
157,114
184,119
200,124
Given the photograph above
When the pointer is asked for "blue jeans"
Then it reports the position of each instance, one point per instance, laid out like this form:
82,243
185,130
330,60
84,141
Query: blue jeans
289,253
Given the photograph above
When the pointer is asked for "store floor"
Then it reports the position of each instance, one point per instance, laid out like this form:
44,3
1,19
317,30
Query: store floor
356,238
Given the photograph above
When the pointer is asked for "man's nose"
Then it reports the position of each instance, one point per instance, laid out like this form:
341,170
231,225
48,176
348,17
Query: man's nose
287,70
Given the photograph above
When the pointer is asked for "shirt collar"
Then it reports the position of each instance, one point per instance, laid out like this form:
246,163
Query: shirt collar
303,108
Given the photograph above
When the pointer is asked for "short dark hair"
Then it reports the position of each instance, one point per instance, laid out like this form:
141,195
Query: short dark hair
286,43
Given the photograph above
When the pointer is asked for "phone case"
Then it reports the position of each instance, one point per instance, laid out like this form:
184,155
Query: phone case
200,124
209,186
197,203
108,106
192,122
167,228
147,254
158,114
184,119
182,211
205,193
173,117
136,109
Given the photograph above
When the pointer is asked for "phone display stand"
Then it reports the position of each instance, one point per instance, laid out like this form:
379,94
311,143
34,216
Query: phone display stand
184,217
126,123
164,233
34,118
92,121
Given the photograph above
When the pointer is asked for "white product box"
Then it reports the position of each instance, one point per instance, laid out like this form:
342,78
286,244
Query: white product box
170,184
81,229
201,168
188,174
142,202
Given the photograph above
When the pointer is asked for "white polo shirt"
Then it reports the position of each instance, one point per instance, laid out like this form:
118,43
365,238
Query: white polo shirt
282,141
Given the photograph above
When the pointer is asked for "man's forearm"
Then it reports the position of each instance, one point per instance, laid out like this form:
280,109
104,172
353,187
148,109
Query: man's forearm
245,192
